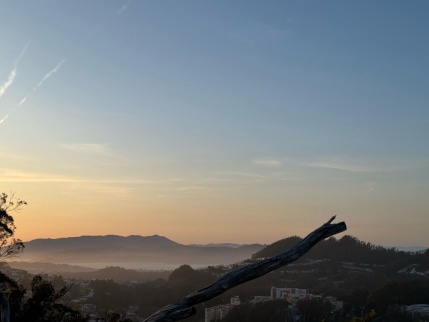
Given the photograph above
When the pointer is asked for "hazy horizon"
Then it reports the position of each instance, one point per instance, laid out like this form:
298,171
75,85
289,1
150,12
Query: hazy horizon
399,247
212,122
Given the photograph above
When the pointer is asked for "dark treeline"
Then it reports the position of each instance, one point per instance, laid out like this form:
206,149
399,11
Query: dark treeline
346,249
270,311
368,294
375,283
149,296
42,302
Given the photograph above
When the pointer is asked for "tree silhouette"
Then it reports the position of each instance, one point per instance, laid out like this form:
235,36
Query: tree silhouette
9,246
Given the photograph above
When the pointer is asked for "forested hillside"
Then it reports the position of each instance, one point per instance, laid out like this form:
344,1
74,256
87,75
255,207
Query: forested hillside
345,249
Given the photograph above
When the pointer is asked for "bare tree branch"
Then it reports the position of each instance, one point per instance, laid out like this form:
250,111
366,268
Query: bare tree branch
185,307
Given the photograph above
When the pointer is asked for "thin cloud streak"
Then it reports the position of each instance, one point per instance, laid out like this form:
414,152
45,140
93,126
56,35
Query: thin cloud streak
359,165
370,185
9,82
50,73
106,186
21,55
267,162
40,83
11,79
13,72
124,7
4,118
337,166
96,149
88,148
16,176
250,178
240,174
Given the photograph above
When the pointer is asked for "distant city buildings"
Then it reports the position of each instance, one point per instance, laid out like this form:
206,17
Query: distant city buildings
288,293
218,312
293,295
422,309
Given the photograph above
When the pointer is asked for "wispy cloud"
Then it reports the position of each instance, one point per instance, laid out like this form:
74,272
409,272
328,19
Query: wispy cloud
196,188
88,148
22,53
10,175
240,174
249,177
8,82
78,183
105,156
337,166
11,78
4,118
370,185
113,187
124,7
40,83
268,162
13,73
359,165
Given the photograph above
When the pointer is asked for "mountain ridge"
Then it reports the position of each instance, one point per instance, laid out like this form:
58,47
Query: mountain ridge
117,250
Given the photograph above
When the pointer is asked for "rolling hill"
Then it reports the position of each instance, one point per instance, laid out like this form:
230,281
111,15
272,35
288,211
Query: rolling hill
133,252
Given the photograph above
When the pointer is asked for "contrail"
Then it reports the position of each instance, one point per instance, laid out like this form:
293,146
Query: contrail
21,54
9,81
49,74
11,78
12,74
4,118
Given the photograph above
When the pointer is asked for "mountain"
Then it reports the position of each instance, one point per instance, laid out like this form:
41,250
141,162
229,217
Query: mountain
146,252
108,241
411,248
346,249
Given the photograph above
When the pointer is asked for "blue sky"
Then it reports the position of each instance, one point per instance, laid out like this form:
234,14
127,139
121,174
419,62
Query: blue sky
215,121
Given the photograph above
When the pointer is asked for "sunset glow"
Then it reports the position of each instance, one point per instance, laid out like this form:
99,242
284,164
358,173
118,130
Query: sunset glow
216,121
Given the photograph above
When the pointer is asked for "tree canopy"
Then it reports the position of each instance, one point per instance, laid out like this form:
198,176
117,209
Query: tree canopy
9,246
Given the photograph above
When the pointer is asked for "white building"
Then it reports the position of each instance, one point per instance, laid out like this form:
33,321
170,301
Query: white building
260,298
235,300
287,293
418,308
216,313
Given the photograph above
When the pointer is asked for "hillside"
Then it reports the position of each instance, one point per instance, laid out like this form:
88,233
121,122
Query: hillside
145,252
350,249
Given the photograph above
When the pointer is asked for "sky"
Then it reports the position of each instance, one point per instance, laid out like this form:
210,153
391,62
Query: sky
216,121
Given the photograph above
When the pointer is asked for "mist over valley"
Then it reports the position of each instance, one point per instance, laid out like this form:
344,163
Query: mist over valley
133,252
